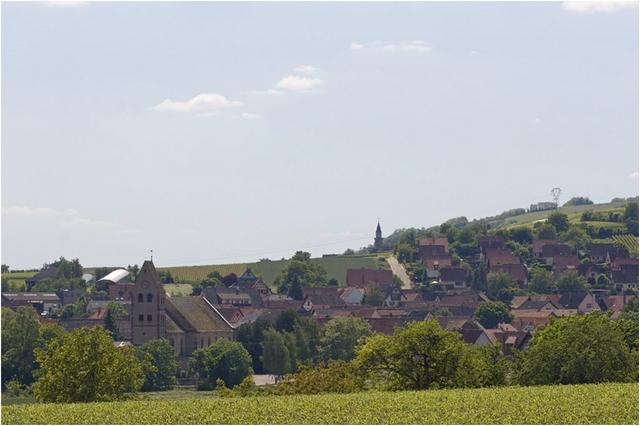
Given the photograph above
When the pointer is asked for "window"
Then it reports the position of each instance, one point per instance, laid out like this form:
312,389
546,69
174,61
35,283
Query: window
202,342
162,300
140,317
149,297
149,317
209,341
140,298
172,342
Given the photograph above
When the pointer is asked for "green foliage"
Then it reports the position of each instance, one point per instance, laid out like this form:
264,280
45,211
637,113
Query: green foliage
50,285
340,336
560,221
405,252
421,356
576,237
541,281
578,201
276,358
5,268
86,366
251,337
489,314
546,231
160,354
501,286
300,272
68,268
333,377
577,349
20,337
521,235
571,282
224,359
610,403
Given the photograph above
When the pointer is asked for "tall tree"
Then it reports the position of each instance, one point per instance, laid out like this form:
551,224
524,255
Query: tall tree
275,355
300,270
571,282
224,359
490,314
560,221
577,349
501,286
85,367
340,336
160,354
542,281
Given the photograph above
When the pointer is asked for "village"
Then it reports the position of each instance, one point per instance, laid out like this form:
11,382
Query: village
449,293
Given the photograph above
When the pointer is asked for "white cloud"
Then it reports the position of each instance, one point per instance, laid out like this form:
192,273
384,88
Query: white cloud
295,83
305,70
634,175
537,120
251,116
415,46
201,102
597,6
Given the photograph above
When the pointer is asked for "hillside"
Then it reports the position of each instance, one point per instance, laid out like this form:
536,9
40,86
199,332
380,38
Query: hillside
336,267
569,404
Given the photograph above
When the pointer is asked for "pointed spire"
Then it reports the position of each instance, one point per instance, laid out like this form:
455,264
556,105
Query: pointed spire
378,230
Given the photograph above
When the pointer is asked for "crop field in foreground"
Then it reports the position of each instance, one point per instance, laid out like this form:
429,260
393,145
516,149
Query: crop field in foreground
572,404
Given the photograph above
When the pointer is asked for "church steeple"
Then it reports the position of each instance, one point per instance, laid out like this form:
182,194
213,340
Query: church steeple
377,242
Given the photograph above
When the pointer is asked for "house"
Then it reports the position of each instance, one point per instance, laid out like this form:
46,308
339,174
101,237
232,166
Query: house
564,262
517,271
434,242
433,263
192,322
494,257
510,338
320,298
352,295
529,319
604,252
490,242
48,273
454,279
43,303
431,251
537,245
583,302
363,277
625,278
550,251
620,262
616,304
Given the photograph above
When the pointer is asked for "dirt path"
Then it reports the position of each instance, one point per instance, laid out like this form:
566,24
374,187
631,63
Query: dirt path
398,270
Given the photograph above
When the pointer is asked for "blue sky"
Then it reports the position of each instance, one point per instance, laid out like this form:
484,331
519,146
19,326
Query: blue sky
223,132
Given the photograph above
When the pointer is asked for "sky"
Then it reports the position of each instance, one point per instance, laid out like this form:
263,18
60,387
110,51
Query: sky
228,132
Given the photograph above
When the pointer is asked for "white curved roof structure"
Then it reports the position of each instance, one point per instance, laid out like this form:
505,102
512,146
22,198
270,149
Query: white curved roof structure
115,276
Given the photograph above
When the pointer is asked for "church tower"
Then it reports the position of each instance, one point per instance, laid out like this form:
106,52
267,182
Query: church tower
377,242
147,306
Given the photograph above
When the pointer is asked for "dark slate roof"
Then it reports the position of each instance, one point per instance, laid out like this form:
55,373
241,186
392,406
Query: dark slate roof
194,313
625,276
517,271
551,250
32,297
453,274
323,295
363,276
534,304
490,241
537,245
572,300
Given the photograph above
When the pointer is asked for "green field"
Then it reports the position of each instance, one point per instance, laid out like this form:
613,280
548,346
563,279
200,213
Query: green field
574,213
570,404
16,280
629,241
336,267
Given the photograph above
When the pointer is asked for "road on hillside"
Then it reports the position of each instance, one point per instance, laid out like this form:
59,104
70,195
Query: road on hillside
398,270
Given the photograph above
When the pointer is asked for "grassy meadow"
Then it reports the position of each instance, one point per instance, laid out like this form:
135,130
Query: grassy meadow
336,267
610,403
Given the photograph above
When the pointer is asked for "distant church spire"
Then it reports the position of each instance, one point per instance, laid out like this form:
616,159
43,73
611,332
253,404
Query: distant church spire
377,242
